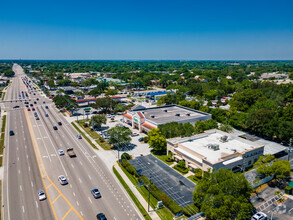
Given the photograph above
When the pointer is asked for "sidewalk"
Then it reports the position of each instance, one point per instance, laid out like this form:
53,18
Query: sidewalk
143,202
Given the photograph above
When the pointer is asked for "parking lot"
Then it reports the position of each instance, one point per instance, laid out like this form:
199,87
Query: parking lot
176,186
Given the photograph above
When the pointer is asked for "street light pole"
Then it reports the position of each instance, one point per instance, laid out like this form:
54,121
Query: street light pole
289,149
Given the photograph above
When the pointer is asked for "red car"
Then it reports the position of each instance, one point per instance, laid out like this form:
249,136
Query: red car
28,109
33,109
37,99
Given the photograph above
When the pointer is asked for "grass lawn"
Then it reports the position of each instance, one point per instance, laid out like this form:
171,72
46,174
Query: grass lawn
100,141
191,178
163,213
162,157
85,137
2,137
133,197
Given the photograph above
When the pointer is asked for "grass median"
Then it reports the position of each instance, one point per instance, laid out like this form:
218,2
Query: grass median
2,138
133,197
84,136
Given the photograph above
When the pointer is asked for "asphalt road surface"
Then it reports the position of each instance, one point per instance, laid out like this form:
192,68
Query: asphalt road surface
32,162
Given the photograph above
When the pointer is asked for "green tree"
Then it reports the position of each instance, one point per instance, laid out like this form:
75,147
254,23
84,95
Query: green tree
95,92
119,136
9,73
111,92
156,140
78,94
223,194
98,120
51,83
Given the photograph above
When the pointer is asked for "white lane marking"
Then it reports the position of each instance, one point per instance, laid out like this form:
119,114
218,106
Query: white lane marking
79,180
17,148
37,204
90,199
81,213
72,165
73,193
17,158
25,146
70,186
80,163
27,156
77,203
18,171
89,177
20,187
29,168
23,209
32,184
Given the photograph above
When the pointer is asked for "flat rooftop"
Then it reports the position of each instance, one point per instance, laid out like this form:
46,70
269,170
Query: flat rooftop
172,113
202,144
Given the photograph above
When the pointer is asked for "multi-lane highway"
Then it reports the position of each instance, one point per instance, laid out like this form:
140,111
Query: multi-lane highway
32,162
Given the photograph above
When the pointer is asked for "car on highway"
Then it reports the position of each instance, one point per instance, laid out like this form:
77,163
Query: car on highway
16,106
78,136
46,115
55,128
11,132
33,109
96,193
42,195
62,179
59,123
61,152
46,107
101,216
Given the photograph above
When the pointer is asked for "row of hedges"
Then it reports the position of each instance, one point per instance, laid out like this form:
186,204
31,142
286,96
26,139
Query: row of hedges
155,191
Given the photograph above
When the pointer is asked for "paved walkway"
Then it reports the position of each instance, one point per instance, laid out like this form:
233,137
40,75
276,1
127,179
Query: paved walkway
143,202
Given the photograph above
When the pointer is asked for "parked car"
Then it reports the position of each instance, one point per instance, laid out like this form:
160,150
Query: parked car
46,114
33,109
59,123
29,109
62,179
96,193
140,139
55,128
42,195
16,106
259,216
134,134
46,107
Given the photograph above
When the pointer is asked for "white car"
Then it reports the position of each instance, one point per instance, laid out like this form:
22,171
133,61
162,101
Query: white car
42,195
62,179
60,152
259,216
79,136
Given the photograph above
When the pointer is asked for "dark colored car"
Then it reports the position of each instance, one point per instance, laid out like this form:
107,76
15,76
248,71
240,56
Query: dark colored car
59,123
35,102
31,105
33,109
46,107
16,106
101,216
11,132
96,193
140,139
55,128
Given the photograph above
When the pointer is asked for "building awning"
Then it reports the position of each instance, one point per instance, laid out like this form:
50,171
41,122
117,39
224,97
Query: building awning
291,184
235,159
178,157
128,116
193,166
148,126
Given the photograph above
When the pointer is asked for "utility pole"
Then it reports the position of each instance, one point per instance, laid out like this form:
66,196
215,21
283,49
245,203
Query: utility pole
289,149
149,191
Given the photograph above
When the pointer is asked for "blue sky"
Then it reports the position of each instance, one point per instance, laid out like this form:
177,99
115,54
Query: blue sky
152,29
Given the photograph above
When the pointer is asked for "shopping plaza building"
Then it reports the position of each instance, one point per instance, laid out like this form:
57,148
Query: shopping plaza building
144,119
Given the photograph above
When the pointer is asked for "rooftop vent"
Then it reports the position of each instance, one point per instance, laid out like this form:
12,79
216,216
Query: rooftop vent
177,114
213,146
224,138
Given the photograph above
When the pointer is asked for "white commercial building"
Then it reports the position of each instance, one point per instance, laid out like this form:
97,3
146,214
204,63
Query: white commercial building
215,149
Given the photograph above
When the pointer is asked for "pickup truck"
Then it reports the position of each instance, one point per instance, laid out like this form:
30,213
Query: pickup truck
71,152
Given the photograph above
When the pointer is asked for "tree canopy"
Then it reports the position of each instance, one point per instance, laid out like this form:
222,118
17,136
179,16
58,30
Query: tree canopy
223,195
119,136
